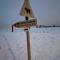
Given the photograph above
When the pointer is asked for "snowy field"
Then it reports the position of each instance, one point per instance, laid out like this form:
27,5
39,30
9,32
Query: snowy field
45,44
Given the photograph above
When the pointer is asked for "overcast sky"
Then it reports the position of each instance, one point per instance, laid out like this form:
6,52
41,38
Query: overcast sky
46,11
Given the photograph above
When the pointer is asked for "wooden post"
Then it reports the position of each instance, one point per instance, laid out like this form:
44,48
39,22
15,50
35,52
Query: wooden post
28,42
12,28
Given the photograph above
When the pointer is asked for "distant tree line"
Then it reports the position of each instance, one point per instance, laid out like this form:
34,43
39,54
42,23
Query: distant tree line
38,26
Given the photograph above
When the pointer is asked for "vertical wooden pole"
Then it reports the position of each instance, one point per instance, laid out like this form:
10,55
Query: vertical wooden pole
12,28
28,42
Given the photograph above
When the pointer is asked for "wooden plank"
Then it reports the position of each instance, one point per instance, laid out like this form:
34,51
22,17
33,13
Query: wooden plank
24,24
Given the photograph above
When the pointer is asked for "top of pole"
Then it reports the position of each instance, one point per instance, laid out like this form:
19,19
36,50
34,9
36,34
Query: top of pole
26,10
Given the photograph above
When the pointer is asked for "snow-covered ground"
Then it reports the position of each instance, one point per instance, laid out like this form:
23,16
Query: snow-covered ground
45,44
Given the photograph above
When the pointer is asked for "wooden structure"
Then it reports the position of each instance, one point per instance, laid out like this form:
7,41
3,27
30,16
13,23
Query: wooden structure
27,12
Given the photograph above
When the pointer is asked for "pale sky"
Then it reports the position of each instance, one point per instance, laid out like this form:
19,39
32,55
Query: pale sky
47,12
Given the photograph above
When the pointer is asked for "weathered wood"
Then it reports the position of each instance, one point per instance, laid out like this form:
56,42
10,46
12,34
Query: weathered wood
28,42
28,45
12,28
